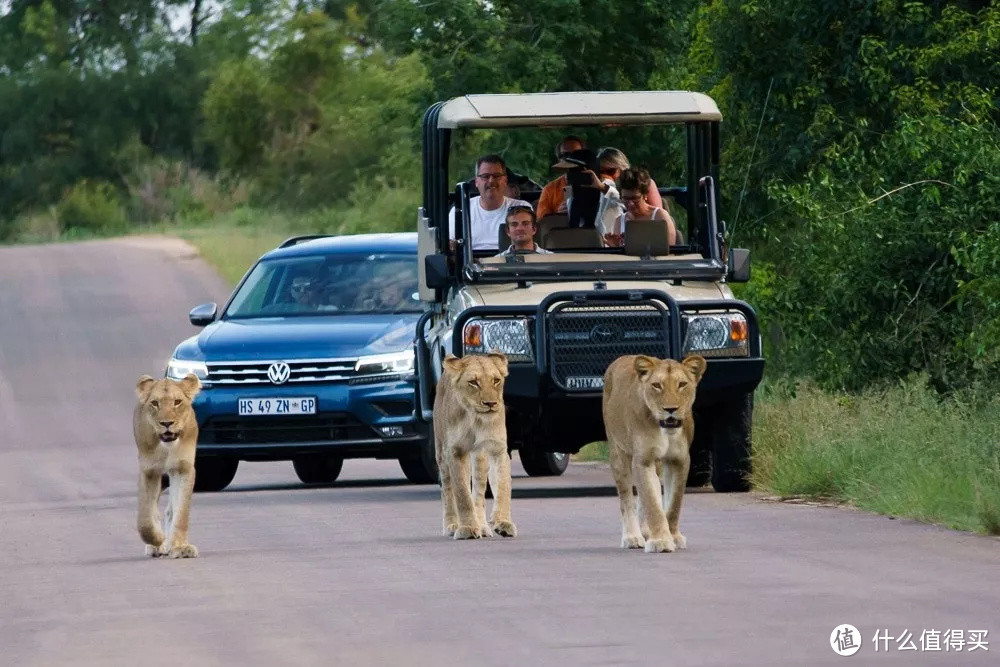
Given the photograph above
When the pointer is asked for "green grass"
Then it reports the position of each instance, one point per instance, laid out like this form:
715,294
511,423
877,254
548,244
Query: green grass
905,451
595,451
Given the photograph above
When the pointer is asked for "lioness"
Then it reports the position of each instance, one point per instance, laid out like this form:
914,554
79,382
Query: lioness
166,433
648,419
469,424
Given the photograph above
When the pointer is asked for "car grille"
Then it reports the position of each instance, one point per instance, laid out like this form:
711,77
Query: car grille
300,370
585,339
276,430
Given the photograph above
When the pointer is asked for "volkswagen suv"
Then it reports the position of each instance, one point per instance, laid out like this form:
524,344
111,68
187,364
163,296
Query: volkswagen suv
311,361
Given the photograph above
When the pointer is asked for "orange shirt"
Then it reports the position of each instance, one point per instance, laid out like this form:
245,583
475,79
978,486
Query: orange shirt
552,198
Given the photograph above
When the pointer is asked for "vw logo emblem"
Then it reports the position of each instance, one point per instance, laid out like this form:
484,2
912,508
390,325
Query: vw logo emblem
278,372
602,333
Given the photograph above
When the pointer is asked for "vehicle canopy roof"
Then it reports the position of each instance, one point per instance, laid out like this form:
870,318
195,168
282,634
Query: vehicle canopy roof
644,107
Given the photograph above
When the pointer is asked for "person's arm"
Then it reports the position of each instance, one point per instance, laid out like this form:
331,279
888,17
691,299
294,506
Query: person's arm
662,214
653,196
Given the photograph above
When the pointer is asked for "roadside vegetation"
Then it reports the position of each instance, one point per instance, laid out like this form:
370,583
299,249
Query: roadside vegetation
861,166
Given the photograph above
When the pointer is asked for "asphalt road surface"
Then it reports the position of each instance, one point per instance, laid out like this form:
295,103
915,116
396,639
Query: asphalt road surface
357,572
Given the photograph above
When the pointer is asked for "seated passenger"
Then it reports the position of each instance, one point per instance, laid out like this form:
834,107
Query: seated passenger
553,198
635,187
489,210
521,228
304,296
610,206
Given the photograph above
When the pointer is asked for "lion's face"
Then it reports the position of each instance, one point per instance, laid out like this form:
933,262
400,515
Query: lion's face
166,404
478,380
668,387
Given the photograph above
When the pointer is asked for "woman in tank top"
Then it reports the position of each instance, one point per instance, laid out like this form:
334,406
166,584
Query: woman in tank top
634,194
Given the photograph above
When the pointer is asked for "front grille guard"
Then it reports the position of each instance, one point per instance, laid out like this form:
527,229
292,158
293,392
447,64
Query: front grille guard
596,298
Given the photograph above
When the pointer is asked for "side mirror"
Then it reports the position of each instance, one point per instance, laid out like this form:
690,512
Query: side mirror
203,315
436,271
739,265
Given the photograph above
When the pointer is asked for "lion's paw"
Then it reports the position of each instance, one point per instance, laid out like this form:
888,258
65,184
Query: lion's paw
633,541
184,551
680,541
450,529
153,552
485,530
466,533
505,528
661,545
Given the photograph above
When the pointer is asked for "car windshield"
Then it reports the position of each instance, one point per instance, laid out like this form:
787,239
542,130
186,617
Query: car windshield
328,285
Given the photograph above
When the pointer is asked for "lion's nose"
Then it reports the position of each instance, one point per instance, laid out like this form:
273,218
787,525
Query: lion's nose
670,411
166,424
490,404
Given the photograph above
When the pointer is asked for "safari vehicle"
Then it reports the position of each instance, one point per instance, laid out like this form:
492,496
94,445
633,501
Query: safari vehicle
311,360
562,318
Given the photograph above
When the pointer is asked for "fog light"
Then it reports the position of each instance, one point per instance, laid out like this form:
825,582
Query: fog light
391,431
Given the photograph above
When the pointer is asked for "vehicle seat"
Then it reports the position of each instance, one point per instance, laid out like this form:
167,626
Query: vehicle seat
503,239
547,224
647,238
573,237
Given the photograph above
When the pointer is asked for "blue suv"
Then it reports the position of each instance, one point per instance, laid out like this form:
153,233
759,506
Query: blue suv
311,360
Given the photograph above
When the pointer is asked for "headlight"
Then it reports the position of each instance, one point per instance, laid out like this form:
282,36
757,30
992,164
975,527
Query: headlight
177,369
381,364
722,335
509,335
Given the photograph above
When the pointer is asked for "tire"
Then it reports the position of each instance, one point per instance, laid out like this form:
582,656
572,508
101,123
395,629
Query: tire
421,468
318,468
543,464
214,473
731,436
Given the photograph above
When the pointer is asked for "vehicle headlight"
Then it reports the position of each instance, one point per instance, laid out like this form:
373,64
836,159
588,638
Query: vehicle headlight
508,335
177,369
717,335
382,364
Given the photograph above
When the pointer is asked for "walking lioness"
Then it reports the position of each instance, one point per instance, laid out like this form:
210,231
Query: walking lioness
470,427
166,433
649,422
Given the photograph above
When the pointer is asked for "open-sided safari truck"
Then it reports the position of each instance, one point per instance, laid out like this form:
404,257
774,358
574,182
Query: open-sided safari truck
562,318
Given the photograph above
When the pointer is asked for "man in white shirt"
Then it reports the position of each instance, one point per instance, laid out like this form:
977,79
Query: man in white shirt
489,210
521,228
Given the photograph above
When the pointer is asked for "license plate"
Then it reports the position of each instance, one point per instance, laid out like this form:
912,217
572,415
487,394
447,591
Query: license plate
252,407
585,382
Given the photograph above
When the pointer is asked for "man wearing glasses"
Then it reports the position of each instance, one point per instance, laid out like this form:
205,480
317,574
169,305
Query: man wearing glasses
521,228
489,210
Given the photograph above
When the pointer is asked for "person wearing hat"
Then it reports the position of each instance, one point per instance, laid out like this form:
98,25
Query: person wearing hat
489,210
553,198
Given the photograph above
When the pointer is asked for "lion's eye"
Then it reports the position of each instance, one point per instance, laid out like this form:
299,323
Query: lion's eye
657,386
474,383
681,384
177,402
496,382
155,404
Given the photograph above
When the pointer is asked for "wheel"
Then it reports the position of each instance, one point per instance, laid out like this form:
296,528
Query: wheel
318,468
731,435
421,467
543,464
214,473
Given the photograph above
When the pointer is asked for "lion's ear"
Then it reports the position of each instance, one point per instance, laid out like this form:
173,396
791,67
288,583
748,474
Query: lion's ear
190,385
644,366
696,364
500,359
453,364
144,387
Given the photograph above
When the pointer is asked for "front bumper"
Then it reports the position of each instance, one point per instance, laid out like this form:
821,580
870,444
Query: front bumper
362,421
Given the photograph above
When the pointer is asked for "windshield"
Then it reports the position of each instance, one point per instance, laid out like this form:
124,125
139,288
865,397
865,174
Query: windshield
329,285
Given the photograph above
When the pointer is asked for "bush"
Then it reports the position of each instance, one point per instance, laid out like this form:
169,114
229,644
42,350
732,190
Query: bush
91,207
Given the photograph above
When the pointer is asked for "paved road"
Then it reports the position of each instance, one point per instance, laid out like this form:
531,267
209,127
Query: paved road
356,573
